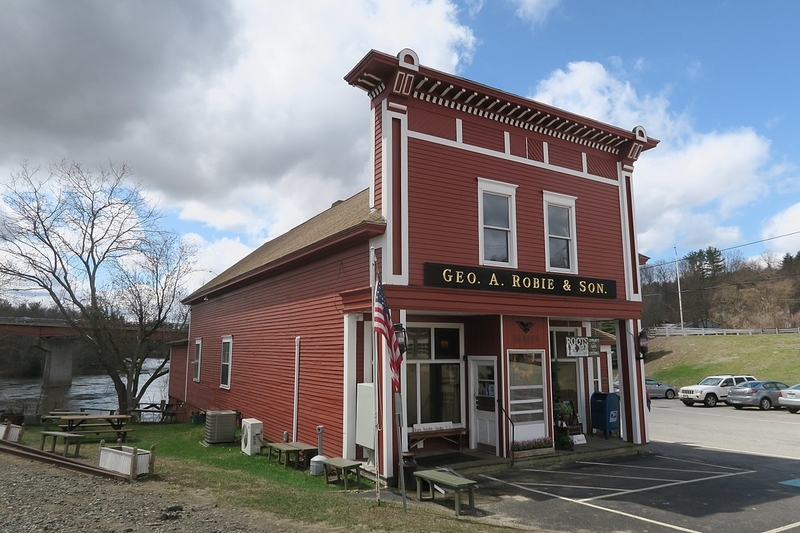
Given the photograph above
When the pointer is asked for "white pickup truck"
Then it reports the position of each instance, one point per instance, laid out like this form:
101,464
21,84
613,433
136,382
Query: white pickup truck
711,390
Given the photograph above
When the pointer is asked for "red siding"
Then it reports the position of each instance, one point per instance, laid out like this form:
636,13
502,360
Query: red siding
264,320
518,145
377,201
535,149
564,156
444,227
397,196
602,166
431,123
482,135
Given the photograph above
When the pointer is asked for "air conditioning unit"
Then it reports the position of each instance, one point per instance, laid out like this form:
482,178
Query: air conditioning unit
220,426
252,429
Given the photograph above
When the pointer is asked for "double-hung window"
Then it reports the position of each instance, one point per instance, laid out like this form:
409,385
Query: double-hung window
198,345
227,356
560,243
497,215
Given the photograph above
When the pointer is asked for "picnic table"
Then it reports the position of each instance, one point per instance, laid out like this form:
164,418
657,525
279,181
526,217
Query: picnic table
164,412
96,424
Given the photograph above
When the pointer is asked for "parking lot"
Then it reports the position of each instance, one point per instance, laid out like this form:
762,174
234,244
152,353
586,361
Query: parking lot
692,481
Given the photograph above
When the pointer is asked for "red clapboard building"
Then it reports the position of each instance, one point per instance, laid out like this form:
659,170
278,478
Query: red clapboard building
503,232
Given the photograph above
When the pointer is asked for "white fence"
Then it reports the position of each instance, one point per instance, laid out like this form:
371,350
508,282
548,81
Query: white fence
677,331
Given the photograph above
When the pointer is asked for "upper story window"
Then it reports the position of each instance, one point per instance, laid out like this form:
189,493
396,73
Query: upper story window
559,226
198,345
498,223
227,356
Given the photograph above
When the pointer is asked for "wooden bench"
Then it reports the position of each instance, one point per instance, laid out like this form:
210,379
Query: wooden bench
452,435
457,483
121,433
84,427
283,450
69,438
343,466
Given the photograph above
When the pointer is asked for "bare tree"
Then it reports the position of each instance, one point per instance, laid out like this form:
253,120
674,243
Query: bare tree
95,245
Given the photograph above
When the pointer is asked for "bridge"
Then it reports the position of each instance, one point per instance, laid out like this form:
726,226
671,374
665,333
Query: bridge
60,342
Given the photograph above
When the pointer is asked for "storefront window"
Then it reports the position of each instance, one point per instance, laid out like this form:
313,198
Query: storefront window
433,375
526,387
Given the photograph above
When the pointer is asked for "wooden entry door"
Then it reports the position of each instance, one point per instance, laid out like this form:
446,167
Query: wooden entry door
483,410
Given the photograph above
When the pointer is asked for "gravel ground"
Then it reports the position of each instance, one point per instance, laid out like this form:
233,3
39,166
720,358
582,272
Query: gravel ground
39,497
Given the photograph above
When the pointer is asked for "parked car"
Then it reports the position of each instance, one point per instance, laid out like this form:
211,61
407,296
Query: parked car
711,389
655,389
790,398
660,390
763,394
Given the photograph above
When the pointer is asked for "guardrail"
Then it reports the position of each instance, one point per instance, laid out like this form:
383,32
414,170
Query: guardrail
685,332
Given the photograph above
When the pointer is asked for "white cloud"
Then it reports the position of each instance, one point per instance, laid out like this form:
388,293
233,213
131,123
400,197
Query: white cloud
690,187
534,11
786,222
235,114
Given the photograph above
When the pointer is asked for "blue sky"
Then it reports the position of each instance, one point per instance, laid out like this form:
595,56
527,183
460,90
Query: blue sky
235,116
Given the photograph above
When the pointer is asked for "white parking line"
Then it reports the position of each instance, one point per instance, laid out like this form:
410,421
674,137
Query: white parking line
599,475
586,504
587,501
685,482
654,467
784,528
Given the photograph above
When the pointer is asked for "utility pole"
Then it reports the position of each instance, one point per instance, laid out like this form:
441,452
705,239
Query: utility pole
678,277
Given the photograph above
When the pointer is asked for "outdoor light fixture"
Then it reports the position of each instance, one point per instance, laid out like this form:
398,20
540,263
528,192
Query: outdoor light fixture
402,339
642,345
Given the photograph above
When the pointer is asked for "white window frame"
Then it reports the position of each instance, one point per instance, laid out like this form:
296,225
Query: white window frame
432,326
508,190
568,202
196,359
229,341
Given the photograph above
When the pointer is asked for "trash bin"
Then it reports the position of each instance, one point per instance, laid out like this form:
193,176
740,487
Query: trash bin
605,412
409,467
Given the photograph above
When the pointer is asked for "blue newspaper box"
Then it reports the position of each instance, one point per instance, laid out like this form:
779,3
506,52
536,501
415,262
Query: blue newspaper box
605,412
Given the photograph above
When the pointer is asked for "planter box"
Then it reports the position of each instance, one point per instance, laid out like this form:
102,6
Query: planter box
121,459
530,453
10,432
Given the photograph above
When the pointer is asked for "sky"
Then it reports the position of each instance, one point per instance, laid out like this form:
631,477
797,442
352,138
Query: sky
234,115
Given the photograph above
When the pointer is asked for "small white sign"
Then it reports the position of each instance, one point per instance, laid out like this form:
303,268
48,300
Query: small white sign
579,439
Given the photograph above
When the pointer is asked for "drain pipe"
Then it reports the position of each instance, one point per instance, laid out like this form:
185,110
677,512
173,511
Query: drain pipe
296,386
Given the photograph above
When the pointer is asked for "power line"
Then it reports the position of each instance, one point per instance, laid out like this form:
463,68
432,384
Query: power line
665,262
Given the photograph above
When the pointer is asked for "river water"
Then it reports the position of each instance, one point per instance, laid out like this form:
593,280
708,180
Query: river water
90,393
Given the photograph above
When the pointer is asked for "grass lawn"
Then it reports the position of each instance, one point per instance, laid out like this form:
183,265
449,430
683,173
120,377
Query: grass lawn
238,480
685,361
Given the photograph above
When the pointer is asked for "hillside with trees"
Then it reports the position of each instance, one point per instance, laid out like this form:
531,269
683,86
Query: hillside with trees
723,290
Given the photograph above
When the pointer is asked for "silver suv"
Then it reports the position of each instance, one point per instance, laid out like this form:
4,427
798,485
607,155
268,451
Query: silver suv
712,389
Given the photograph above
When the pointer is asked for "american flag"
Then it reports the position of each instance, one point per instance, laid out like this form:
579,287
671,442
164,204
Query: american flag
382,320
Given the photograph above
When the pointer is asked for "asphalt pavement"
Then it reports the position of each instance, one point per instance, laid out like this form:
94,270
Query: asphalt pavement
707,471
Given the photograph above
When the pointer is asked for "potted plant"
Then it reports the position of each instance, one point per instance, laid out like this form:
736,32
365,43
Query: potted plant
564,442
527,448
563,411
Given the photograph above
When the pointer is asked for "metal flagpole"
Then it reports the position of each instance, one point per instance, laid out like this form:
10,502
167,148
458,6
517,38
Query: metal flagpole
376,431
398,404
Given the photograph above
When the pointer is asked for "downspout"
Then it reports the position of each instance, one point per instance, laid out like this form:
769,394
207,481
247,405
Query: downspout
186,376
296,386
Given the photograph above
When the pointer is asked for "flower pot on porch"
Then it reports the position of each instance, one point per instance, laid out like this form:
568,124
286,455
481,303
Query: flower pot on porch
533,452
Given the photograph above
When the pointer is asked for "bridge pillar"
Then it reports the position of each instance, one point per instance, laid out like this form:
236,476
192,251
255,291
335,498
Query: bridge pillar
57,376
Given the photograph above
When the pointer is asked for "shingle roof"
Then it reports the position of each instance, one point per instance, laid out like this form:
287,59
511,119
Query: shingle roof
342,218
